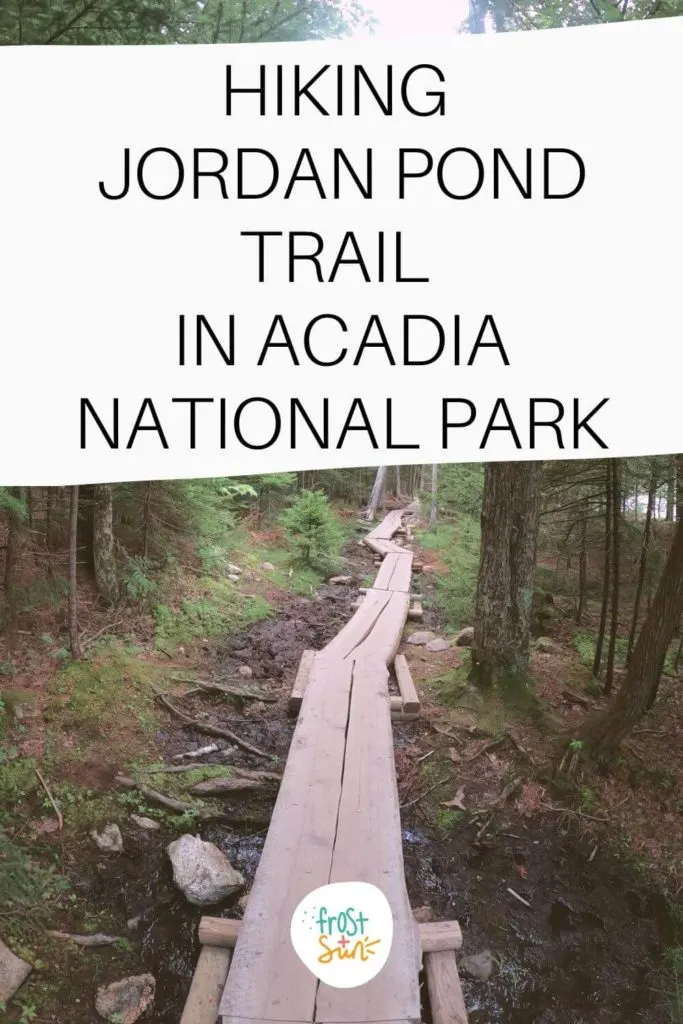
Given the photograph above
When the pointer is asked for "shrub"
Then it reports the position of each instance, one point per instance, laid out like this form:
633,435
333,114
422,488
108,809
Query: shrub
312,531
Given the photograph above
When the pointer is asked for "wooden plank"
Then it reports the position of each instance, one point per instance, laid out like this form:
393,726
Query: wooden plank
386,572
267,981
415,611
396,704
388,630
406,686
443,986
401,718
203,999
435,936
301,681
219,931
400,579
369,849
359,626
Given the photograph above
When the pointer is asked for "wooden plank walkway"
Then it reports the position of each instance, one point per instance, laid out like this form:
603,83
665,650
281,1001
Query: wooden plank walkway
336,819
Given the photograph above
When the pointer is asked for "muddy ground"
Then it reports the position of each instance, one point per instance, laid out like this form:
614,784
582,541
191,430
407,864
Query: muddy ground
584,947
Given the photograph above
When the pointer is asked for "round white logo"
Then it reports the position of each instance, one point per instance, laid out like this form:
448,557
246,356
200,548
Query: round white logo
342,933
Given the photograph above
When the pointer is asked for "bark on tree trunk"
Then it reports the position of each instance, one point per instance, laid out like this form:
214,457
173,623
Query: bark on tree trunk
614,622
16,540
679,487
671,490
509,527
148,506
377,491
73,576
597,660
642,563
103,543
582,573
432,514
603,734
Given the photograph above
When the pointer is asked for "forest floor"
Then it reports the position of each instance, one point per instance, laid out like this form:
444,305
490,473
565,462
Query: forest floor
570,885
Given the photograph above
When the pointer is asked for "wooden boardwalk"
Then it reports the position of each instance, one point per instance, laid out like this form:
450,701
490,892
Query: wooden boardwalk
336,819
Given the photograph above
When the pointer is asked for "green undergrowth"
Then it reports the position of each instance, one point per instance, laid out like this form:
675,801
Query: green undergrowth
219,611
457,546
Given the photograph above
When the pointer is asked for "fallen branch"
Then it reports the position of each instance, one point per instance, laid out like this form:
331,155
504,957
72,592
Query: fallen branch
575,698
569,810
202,813
491,745
423,795
211,730
232,691
518,746
223,784
507,792
87,940
110,626
50,797
484,828
200,752
520,898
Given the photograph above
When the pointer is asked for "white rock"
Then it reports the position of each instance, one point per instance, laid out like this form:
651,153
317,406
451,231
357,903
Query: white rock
439,644
125,1001
234,569
340,579
465,637
246,672
419,638
267,566
109,839
146,823
233,577
202,871
479,965
13,973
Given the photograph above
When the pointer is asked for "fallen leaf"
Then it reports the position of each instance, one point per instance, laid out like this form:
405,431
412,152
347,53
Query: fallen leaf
522,870
453,754
456,801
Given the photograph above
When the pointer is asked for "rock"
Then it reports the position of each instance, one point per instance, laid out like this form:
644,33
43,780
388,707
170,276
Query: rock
267,566
340,579
438,644
428,569
234,570
419,638
202,871
133,923
242,902
233,577
545,645
479,965
465,637
146,823
109,839
423,914
246,672
13,973
125,1001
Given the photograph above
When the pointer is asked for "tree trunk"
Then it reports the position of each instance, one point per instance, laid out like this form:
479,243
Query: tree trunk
671,490
606,573
642,563
432,514
148,506
614,623
603,734
103,543
398,482
16,542
582,573
509,527
73,576
679,487
377,492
